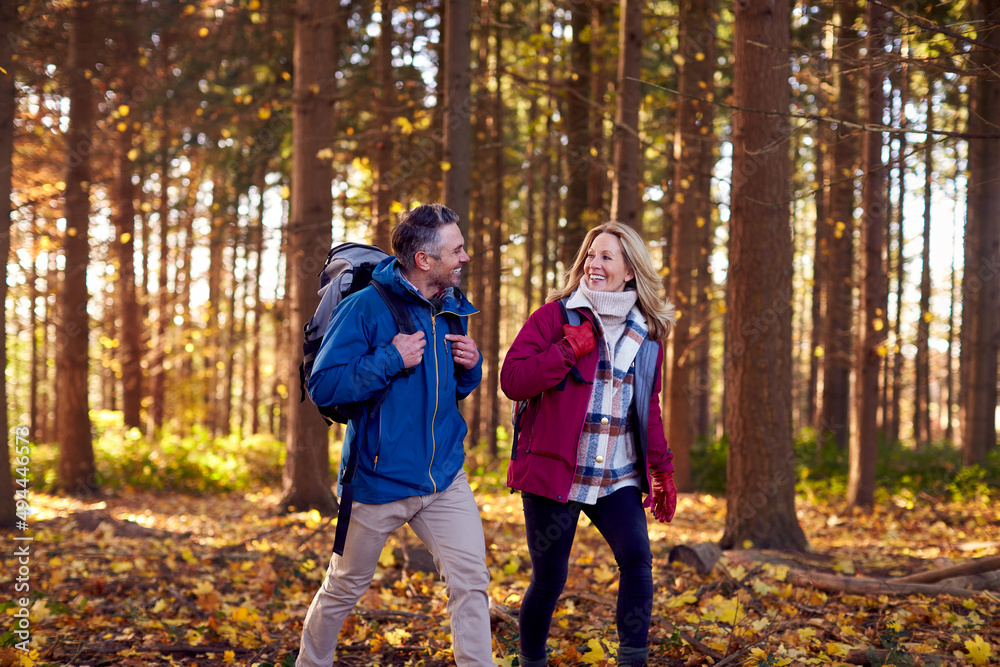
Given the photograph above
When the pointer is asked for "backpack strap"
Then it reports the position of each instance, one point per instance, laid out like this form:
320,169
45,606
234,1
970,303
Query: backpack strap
404,322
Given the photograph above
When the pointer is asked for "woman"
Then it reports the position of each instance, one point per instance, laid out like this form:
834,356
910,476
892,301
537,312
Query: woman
590,437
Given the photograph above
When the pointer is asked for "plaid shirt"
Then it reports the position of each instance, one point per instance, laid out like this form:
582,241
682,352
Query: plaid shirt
606,455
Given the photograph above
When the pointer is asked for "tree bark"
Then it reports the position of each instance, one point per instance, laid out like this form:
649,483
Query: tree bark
458,111
496,244
760,490
577,125
158,370
76,472
922,388
383,149
981,281
8,105
820,257
835,410
626,204
693,144
307,466
125,287
258,309
871,325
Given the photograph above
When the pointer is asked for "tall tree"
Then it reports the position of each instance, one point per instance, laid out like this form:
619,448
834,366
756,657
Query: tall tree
693,142
76,470
307,467
981,282
383,149
922,387
8,27
871,325
496,239
458,110
760,484
626,205
835,410
577,104
125,288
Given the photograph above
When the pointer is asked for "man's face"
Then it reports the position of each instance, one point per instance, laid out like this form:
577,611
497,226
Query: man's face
446,264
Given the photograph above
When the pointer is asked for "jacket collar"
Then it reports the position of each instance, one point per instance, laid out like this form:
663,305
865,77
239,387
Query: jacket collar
389,274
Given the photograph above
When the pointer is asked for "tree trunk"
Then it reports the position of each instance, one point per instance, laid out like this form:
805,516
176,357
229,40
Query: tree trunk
530,206
871,325
76,472
835,411
213,331
626,205
760,490
458,110
258,309
949,429
601,22
496,245
981,285
577,125
922,389
383,149
307,466
898,358
125,288
8,105
820,257
158,371
692,192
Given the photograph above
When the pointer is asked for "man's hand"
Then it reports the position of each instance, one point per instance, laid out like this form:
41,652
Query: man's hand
463,351
662,498
410,348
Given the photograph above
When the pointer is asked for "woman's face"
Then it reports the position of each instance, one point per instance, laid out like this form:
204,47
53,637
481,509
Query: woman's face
605,269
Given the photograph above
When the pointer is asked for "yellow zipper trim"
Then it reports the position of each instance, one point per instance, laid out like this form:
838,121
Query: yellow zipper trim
437,392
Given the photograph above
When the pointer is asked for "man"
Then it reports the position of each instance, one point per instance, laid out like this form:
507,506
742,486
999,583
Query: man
409,466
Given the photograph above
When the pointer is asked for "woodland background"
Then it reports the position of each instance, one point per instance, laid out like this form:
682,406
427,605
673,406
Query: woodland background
817,181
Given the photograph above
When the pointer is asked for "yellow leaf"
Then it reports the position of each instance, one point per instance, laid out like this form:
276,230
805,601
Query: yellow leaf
396,207
133,154
397,637
241,614
229,657
123,110
928,317
324,154
203,588
203,32
445,165
979,650
877,324
687,597
386,559
264,113
122,126
595,654
160,605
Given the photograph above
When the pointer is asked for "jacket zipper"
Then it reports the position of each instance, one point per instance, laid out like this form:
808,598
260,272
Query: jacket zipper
437,393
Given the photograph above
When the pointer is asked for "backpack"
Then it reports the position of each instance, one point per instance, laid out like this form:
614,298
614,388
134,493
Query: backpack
518,408
348,269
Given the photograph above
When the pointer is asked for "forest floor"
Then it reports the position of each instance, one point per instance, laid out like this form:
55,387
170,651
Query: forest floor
157,579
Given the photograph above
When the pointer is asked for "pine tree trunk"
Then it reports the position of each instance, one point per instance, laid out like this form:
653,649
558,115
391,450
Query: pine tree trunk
835,411
258,310
213,330
692,192
871,325
601,22
530,207
76,472
383,149
921,399
125,287
458,110
760,489
626,205
577,125
820,258
898,358
307,466
496,246
158,371
8,105
981,281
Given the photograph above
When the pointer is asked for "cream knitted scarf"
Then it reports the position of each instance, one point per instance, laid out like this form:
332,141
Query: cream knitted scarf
612,308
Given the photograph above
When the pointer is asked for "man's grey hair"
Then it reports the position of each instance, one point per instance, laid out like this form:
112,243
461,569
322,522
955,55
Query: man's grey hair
417,231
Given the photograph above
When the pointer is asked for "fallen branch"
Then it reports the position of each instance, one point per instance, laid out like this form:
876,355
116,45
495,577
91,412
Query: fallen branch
832,583
968,568
877,656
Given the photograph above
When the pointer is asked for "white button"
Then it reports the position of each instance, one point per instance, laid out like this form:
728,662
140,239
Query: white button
599,459
604,422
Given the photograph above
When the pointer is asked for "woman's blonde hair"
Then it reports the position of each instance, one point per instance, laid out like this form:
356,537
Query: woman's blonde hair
659,312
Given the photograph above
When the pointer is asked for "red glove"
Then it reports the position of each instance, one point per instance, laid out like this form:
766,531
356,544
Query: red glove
580,337
662,497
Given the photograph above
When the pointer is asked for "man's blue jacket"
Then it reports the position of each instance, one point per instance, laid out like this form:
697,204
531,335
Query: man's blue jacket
414,444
